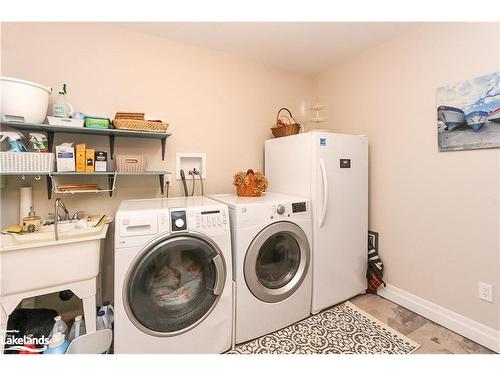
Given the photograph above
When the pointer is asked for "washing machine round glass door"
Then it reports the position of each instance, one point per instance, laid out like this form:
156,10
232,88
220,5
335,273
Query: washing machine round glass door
173,284
277,261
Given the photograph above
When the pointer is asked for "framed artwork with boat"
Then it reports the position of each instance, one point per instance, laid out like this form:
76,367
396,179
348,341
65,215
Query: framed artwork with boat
468,114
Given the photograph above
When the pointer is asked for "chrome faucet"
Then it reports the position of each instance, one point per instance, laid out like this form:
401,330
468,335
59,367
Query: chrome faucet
77,215
59,203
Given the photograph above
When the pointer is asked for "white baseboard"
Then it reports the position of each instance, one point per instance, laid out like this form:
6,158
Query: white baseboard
460,324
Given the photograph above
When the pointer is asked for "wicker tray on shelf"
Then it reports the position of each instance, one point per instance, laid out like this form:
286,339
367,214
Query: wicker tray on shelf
140,125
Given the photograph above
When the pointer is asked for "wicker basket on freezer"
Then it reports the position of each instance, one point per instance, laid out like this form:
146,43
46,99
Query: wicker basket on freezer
130,163
26,162
285,125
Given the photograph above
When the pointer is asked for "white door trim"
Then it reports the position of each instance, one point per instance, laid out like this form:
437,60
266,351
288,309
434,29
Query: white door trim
460,324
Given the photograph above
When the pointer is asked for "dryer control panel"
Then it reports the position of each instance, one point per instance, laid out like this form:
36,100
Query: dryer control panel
288,208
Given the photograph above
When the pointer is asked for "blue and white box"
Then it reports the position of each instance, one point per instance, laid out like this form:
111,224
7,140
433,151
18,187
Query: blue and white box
65,158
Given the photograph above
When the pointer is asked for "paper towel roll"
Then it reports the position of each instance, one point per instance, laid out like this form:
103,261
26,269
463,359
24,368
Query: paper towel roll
25,202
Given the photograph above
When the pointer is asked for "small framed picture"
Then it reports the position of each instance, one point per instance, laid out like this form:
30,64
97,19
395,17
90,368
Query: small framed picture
372,240
468,114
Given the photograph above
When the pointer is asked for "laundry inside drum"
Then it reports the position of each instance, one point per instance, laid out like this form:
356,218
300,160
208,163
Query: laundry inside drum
173,289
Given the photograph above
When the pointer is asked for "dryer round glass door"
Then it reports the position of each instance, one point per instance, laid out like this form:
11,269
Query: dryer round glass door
173,284
277,261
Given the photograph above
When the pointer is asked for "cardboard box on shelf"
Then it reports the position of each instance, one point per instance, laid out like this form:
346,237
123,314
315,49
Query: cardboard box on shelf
65,158
89,160
101,158
80,158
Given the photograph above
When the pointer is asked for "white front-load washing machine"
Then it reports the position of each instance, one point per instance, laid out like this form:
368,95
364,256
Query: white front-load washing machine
173,279
271,237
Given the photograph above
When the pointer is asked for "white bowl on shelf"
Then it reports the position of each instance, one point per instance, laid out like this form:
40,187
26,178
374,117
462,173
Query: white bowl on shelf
24,99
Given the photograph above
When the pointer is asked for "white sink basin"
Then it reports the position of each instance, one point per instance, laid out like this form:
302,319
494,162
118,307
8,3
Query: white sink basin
67,230
35,261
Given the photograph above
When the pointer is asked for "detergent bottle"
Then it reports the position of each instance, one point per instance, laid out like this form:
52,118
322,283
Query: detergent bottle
102,321
109,312
57,344
59,326
77,329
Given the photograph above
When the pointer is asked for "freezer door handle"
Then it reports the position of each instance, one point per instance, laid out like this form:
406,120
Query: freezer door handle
325,192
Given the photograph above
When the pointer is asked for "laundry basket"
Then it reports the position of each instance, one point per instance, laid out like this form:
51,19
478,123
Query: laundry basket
26,162
130,163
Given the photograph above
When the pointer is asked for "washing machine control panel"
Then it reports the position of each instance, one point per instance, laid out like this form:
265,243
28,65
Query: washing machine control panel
211,221
178,220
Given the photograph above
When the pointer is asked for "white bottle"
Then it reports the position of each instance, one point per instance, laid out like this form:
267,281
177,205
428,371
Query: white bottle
59,326
101,321
77,329
109,312
61,107
57,344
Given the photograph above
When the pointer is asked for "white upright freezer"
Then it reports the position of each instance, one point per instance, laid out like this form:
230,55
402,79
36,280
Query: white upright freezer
332,170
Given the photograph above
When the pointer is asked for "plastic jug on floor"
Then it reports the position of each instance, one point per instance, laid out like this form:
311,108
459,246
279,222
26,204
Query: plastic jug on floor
57,344
102,321
77,329
109,312
59,326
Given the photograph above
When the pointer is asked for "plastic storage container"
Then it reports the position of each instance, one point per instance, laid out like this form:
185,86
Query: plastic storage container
97,122
24,100
130,163
77,329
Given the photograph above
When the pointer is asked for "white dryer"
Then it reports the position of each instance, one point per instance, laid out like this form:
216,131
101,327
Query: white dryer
271,238
173,279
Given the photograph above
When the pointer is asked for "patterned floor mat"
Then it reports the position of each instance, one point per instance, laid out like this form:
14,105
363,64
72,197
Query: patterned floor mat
343,329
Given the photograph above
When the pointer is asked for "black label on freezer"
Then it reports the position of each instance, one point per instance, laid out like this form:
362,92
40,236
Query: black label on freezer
345,163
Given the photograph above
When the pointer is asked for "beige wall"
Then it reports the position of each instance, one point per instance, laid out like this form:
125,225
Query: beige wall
217,104
437,212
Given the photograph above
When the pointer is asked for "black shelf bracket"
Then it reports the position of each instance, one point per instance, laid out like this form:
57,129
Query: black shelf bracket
112,145
49,186
162,183
163,147
50,141
111,182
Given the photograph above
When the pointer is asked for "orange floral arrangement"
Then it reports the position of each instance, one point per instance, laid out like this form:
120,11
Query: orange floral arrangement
250,184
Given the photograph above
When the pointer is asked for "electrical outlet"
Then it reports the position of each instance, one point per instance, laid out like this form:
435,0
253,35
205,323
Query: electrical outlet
486,291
